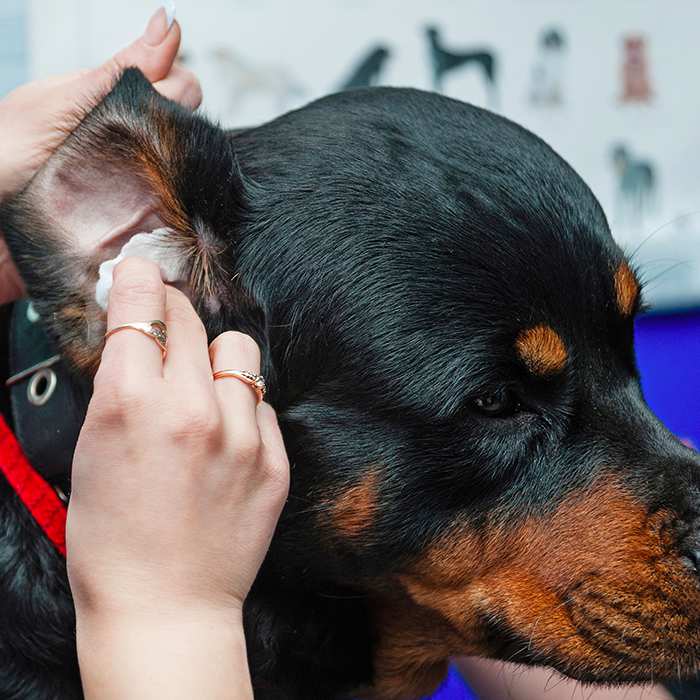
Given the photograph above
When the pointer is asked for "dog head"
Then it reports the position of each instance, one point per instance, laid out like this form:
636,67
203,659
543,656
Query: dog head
447,329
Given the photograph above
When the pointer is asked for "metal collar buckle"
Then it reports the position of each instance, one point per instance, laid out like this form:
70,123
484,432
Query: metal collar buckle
42,380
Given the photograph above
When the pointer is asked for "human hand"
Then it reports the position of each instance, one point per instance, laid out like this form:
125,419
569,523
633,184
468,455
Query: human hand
35,118
178,480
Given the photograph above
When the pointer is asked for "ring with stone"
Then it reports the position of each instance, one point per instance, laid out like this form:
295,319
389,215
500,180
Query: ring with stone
156,330
253,380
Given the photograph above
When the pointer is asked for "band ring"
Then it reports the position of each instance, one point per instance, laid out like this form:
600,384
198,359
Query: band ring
156,330
256,381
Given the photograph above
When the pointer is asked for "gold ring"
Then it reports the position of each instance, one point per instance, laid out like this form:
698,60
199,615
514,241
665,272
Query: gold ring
256,381
156,330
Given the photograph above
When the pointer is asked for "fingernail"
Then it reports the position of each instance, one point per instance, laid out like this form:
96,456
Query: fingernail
170,13
157,28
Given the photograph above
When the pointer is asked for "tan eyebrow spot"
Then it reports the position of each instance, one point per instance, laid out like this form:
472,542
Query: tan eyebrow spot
626,289
542,350
355,509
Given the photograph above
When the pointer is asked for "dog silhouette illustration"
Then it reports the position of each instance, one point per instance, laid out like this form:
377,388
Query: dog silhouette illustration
636,186
368,71
243,78
636,83
547,75
445,60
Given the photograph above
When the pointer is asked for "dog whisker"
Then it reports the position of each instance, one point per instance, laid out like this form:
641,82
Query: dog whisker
656,231
648,283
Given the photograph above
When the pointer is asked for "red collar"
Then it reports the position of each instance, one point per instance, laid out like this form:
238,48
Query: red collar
38,497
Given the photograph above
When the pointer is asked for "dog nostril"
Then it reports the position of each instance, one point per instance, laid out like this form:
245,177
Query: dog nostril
690,548
691,561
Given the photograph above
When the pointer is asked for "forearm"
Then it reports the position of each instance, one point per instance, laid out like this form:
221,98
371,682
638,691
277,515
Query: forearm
160,655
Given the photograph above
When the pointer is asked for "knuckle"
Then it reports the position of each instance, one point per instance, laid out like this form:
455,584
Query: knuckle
275,473
196,421
116,400
247,448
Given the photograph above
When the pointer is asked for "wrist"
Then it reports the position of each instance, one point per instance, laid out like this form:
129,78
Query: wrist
166,652
118,619
108,597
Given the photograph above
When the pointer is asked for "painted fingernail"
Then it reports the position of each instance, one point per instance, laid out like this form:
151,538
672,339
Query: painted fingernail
157,28
170,12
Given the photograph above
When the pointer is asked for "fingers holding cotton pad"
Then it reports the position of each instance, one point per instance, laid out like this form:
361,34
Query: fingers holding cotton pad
157,246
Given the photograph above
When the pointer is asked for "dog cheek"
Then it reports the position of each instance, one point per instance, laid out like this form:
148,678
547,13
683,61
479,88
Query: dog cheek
349,515
356,509
535,577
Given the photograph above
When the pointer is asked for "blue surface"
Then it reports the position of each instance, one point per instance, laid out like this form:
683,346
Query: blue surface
668,352
453,688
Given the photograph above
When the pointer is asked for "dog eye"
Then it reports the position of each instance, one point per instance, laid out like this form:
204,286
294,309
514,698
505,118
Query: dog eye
500,403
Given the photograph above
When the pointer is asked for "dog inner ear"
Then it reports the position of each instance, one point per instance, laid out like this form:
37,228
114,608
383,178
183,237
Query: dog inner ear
115,171
135,163
93,201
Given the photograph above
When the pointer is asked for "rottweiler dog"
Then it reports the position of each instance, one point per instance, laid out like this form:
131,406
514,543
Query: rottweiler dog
447,332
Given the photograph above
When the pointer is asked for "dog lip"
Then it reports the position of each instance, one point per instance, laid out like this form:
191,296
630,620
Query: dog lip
517,652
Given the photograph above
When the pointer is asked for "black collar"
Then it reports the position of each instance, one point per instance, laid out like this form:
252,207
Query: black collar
47,401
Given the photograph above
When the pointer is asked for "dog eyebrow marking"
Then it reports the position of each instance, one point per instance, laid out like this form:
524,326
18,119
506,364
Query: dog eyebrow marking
356,508
626,289
542,350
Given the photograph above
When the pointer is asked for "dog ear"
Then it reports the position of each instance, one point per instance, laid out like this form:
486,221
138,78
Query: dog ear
135,162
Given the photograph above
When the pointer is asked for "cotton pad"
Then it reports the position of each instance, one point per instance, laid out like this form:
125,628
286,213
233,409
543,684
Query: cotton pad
157,246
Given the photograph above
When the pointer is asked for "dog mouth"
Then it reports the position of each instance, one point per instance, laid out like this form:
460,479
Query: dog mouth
613,654
611,630
596,590
638,630
603,635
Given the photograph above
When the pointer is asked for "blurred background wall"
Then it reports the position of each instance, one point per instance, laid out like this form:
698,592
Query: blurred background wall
611,85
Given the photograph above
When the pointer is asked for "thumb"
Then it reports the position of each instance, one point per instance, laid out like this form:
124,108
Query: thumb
153,53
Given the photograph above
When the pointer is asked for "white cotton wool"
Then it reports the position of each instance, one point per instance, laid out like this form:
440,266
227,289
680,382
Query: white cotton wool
156,246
